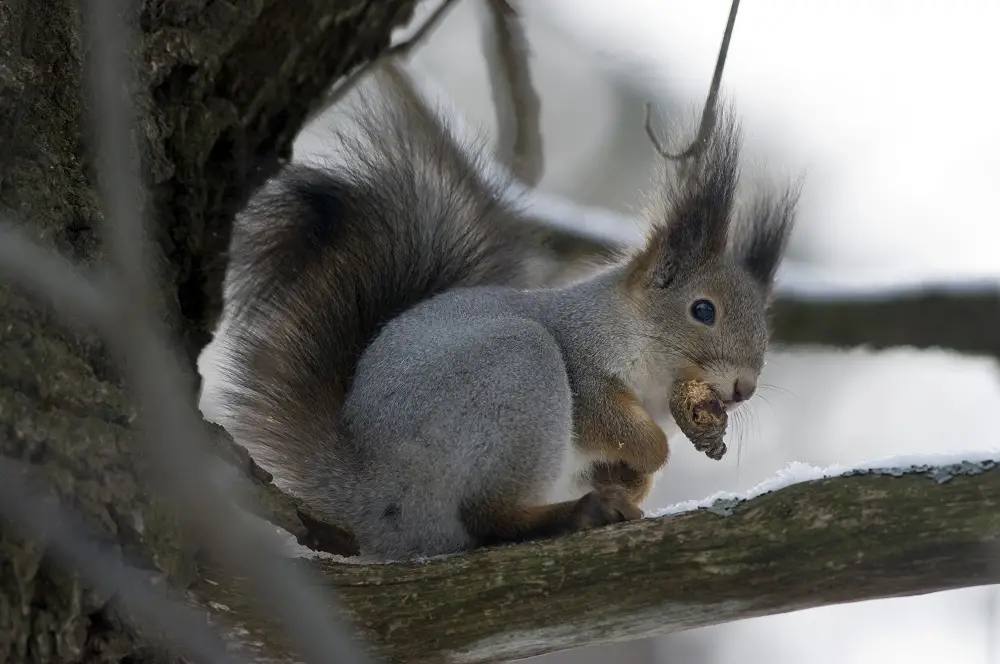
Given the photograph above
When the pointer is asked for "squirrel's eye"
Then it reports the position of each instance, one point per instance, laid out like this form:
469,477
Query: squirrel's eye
703,311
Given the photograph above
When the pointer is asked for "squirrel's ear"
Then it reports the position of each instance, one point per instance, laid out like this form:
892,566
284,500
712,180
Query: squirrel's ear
766,233
691,221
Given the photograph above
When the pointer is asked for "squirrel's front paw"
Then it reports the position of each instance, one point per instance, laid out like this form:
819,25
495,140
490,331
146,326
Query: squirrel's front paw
701,415
603,507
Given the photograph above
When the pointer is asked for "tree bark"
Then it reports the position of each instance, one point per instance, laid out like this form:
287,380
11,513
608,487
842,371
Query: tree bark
222,88
871,535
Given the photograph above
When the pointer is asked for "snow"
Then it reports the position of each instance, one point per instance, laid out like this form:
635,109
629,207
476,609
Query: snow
939,466
597,224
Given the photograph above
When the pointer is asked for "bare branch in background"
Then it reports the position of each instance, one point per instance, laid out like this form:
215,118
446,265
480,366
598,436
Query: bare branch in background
400,49
517,106
958,317
709,114
654,138
39,516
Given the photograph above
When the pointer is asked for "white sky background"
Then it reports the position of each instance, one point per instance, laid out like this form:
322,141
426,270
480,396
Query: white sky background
890,109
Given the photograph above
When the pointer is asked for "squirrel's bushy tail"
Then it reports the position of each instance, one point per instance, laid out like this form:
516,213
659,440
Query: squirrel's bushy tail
323,257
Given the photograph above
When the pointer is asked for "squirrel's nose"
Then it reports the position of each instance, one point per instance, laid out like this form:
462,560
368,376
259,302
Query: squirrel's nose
743,389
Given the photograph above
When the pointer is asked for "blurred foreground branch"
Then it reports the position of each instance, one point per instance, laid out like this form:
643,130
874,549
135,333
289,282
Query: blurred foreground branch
880,534
218,96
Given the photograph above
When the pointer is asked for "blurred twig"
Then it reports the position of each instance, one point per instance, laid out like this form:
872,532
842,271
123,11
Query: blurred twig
48,276
174,430
144,597
178,441
709,114
403,48
517,105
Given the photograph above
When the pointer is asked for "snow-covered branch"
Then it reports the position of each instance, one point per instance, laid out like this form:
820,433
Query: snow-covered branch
872,533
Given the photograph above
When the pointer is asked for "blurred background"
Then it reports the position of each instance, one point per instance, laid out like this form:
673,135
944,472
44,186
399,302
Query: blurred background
889,112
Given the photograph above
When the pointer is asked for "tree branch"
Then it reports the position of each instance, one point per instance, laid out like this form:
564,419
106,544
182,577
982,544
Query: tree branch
966,320
518,108
709,114
398,50
870,535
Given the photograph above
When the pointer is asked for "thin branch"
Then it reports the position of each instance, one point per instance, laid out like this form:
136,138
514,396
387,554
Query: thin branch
654,138
40,517
709,114
515,100
878,534
400,49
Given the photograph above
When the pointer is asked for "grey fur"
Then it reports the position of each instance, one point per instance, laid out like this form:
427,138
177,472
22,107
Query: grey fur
382,360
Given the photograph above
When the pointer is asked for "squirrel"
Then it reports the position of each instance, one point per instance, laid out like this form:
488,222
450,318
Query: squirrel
381,355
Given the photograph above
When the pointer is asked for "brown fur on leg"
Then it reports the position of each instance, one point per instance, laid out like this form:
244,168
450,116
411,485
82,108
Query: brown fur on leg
611,421
636,485
500,523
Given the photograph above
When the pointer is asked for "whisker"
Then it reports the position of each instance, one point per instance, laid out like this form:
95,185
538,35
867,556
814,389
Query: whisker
777,388
740,431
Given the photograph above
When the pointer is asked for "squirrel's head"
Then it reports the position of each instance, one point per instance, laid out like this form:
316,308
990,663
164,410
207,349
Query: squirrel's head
703,280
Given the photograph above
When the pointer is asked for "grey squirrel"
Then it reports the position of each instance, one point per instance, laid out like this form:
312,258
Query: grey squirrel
381,356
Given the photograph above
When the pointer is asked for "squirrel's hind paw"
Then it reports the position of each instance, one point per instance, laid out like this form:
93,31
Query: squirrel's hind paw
603,507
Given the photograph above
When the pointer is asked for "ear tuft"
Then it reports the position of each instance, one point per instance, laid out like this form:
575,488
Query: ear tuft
692,216
766,234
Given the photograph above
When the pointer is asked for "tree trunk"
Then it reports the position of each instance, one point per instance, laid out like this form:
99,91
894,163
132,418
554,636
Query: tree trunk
222,90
